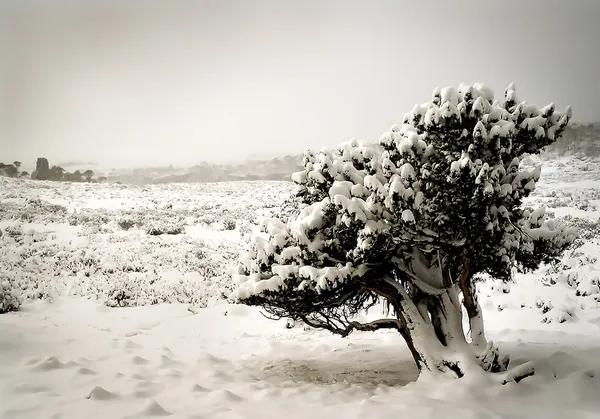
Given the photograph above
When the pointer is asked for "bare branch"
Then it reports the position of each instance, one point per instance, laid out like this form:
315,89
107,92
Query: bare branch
342,299
376,325
353,325
272,316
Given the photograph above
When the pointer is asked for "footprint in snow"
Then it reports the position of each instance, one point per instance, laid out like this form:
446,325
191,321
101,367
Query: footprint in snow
99,393
153,409
167,362
146,389
174,373
211,359
224,396
138,360
86,371
30,388
53,363
130,345
149,325
199,389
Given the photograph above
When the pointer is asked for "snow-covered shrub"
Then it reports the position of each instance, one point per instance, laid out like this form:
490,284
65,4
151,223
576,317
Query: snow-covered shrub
27,217
128,290
96,259
127,273
206,220
588,229
95,229
88,217
229,224
579,269
168,287
35,210
415,220
14,230
9,297
34,236
126,223
120,297
245,229
503,287
164,227
558,314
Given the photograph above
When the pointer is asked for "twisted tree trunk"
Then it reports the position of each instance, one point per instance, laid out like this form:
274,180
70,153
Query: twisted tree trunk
487,352
432,328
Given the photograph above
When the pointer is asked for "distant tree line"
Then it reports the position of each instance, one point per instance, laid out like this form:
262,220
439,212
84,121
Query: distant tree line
12,170
43,171
577,140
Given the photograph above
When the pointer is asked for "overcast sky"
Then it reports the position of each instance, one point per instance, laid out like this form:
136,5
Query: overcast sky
174,82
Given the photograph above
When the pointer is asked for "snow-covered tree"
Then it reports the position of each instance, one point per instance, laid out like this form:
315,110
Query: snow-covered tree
414,220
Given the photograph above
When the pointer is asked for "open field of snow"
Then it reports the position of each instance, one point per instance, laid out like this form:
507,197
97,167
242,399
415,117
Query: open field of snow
106,275
77,358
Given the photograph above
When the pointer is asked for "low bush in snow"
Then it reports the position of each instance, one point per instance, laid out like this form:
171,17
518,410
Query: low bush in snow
579,270
9,297
229,224
164,227
85,249
126,223
87,217
134,270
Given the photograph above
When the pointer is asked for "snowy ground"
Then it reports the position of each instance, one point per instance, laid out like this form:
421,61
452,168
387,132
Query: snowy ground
74,357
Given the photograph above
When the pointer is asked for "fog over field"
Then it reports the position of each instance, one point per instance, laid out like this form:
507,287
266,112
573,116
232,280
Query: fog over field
129,83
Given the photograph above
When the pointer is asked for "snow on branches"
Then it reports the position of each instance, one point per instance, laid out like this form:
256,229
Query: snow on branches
447,179
413,220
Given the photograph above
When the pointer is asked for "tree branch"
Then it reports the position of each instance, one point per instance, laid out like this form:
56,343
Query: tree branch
352,326
376,325
342,298
416,281
425,287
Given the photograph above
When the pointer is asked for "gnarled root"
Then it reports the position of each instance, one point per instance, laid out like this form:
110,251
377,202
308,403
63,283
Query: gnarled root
518,373
490,359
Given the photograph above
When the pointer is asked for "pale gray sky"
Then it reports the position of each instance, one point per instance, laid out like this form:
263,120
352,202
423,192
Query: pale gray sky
150,82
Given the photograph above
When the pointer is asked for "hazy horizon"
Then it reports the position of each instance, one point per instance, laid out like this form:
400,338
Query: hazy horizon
119,83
